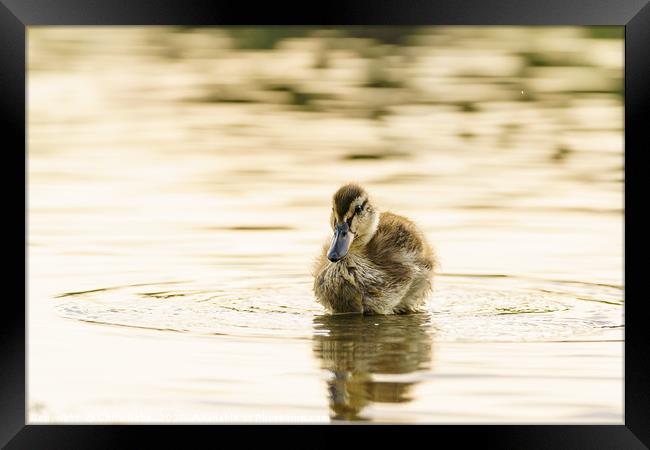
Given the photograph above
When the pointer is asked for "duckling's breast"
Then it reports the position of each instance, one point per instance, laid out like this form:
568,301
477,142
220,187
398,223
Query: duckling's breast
341,286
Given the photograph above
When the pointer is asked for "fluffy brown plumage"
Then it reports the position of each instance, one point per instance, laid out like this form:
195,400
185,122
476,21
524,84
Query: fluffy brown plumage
377,263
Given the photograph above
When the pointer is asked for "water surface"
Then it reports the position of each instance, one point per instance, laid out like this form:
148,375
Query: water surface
179,189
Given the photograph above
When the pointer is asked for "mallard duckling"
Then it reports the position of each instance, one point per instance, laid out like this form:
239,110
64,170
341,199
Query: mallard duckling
377,263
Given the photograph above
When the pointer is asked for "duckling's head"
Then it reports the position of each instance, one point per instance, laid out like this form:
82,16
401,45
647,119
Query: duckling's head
354,220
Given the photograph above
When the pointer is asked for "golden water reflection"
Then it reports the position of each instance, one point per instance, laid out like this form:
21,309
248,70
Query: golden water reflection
364,353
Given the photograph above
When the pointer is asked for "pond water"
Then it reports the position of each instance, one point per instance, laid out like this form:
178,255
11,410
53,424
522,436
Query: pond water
179,191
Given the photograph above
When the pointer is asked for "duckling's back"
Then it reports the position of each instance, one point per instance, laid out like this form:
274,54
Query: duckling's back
406,262
397,238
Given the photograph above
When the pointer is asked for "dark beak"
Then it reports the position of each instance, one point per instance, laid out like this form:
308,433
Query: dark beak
340,243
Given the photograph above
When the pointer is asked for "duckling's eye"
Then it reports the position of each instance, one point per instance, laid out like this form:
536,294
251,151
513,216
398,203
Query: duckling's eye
358,209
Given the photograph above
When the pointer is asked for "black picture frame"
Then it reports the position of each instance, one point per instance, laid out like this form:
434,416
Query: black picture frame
16,15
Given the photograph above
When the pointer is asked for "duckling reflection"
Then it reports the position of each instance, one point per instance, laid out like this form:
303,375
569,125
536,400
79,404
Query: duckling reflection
354,348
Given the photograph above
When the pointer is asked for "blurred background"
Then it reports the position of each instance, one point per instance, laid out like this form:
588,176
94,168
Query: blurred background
180,179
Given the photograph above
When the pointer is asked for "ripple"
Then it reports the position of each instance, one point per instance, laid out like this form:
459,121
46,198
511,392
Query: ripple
468,308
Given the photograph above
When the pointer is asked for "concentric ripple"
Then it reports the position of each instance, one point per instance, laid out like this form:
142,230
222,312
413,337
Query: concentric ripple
465,308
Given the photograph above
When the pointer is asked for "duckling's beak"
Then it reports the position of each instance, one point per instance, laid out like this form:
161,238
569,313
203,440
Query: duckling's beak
341,242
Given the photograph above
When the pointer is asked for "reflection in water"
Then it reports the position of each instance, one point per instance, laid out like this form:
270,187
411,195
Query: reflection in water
355,348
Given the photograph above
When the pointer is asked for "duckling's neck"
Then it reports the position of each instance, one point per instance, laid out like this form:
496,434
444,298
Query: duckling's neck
361,240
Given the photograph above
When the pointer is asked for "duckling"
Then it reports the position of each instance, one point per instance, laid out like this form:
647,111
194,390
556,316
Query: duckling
376,263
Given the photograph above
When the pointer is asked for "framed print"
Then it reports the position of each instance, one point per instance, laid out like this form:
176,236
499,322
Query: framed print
401,217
